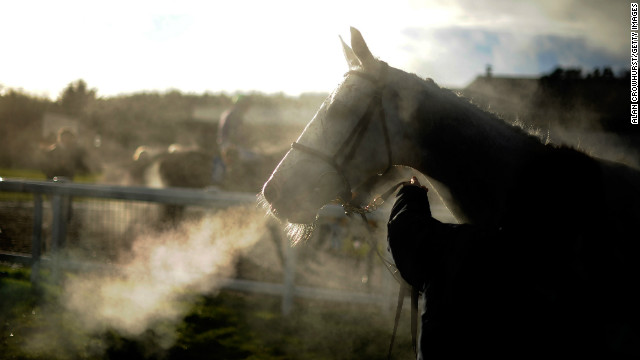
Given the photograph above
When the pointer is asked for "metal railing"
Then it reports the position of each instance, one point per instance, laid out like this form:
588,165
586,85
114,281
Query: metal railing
56,198
62,193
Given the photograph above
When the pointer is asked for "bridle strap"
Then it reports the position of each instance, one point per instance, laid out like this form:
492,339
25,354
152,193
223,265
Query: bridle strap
370,77
387,143
331,160
348,148
357,133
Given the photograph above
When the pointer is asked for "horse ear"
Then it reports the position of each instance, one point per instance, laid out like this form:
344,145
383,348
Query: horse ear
351,57
361,49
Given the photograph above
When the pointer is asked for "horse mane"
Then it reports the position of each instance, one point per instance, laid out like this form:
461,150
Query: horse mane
461,108
468,103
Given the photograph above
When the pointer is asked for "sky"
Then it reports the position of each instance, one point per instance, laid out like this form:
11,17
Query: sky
123,47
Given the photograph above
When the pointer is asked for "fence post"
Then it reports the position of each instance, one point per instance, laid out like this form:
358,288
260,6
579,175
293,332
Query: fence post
60,207
58,223
289,277
36,237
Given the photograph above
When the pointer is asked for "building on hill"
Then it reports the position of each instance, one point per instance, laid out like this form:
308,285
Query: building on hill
563,107
506,96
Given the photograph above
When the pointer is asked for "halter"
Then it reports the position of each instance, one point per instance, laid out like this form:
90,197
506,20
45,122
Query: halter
347,151
349,146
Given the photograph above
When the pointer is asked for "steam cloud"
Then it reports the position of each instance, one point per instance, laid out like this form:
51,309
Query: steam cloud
161,271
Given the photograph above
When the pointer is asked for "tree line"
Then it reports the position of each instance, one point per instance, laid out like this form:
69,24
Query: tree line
121,122
598,99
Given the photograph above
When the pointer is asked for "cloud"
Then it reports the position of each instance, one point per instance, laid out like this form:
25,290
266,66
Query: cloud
517,38
553,50
601,25
198,46
455,55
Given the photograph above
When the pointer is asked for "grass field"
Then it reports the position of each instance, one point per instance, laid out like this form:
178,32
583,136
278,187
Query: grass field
35,324
225,325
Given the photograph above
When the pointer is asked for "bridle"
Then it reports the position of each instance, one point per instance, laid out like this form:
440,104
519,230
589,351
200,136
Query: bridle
347,150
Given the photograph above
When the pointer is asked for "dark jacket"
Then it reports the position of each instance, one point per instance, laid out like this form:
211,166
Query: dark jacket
444,261
481,293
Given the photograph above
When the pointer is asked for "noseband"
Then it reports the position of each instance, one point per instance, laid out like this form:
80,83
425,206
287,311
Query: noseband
348,148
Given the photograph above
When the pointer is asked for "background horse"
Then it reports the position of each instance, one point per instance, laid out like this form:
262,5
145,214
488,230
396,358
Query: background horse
571,217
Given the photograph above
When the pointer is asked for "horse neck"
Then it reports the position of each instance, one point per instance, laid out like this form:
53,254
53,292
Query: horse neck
473,155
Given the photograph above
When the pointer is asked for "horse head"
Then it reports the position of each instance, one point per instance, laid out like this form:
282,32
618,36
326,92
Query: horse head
355,134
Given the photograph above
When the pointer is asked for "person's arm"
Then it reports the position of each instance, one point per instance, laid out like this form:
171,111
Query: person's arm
420,244
409,229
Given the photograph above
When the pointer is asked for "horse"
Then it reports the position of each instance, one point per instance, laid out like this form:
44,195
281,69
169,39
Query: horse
572,217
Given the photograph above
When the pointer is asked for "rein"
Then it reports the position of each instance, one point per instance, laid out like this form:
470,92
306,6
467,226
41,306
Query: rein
404,286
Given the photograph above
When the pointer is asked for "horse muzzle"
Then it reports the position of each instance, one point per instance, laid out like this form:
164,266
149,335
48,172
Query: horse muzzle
299,202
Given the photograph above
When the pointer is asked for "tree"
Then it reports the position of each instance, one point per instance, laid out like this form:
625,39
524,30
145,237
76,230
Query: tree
76,97
20,127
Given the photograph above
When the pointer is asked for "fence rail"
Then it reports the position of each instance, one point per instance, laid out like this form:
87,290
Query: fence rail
59,196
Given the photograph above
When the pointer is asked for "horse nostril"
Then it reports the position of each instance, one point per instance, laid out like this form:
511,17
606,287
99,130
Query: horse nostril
271,192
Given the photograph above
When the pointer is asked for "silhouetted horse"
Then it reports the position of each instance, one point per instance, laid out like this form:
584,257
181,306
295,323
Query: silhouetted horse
183,167
572,219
